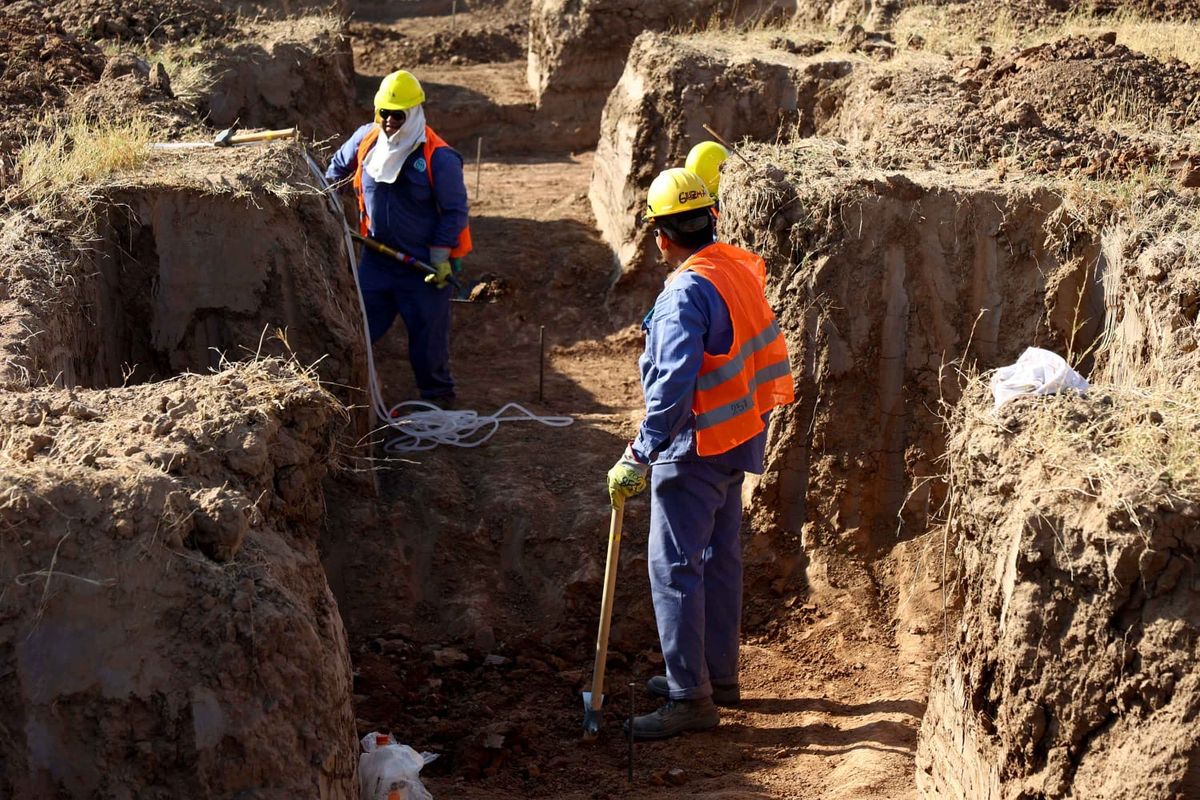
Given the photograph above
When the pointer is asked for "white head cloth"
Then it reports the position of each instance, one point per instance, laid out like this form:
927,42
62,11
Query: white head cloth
387,157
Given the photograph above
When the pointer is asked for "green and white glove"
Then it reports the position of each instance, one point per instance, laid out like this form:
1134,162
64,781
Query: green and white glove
440,260
626,478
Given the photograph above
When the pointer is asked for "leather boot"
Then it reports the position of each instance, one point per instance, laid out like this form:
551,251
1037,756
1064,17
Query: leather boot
723,695
675,717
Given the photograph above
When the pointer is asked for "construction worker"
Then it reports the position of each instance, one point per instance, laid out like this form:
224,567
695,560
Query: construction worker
411,197
714,366
705,159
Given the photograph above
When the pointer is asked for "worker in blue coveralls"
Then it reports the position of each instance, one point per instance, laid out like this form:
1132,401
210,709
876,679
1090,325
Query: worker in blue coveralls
412,198
714,367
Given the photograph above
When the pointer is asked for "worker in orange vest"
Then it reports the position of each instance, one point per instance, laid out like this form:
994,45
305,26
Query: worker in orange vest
411,197
714,367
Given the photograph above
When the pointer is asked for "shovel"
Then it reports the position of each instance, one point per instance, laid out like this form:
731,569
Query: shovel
593,701
403,258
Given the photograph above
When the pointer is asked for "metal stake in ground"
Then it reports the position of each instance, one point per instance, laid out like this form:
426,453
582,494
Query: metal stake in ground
478,164
541,361
593,701
632,707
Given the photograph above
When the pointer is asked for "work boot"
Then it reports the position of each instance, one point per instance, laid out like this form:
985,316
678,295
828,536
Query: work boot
728,695
675,717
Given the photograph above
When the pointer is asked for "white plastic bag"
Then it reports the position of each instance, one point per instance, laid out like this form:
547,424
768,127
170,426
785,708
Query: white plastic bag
1037,371
390,771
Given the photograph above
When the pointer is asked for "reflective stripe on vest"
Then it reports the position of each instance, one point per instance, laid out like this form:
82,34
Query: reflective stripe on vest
735,390
433,142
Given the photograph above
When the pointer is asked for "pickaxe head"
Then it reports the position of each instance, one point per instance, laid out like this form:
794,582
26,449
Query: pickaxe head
225,137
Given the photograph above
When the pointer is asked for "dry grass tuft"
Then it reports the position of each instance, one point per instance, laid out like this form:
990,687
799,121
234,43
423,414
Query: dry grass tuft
81,153
1119,445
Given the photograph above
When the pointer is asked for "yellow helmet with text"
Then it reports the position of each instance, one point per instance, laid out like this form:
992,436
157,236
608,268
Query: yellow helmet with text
674,191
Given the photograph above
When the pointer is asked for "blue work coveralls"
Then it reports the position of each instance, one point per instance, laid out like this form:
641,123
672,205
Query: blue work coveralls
695,553
411,216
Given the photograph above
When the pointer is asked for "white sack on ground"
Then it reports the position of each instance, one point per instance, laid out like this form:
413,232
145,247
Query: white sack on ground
1037,371
386,767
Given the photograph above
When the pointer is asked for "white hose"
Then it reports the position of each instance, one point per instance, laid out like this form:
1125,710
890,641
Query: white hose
421,429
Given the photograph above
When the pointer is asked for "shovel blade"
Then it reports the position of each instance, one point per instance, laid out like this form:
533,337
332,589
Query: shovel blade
592,717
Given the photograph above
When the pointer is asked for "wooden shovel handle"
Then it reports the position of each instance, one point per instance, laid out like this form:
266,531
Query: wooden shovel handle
606,606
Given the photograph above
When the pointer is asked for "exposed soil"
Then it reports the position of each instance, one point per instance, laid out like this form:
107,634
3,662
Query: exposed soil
40,64
164,610
152,297
1087,107
922,217
136,21
1073,671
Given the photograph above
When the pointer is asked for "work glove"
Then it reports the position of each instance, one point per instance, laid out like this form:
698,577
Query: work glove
440,258
627,478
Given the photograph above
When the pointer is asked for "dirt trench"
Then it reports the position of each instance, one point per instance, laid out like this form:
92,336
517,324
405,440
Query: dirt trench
208,257
467,580
889,282
490,560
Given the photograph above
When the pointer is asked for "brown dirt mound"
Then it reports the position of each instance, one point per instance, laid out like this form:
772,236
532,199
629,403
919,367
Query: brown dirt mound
131,20
40,64
1153,9
279,74
1080,107
876,302
165,611
1152,289
1081,78
131,87
1074,670
478,44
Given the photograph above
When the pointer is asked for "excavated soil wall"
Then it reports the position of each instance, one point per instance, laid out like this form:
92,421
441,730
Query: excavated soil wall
673,86
1074,670
294,72
212,256
166,628
577,50
882,282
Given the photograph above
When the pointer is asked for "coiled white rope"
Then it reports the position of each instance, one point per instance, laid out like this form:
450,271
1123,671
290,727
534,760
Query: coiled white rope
424,429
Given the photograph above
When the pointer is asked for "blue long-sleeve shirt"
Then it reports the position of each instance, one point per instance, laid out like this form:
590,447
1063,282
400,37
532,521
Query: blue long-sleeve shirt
689,319
409,214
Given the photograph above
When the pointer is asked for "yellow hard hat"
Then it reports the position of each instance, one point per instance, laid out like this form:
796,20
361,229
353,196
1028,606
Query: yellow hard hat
399,91
674,191
705,159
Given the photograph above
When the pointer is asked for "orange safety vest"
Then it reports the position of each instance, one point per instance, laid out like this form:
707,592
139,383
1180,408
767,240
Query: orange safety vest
735,390
432,142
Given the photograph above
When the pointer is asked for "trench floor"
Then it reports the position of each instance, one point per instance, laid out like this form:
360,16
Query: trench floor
469,580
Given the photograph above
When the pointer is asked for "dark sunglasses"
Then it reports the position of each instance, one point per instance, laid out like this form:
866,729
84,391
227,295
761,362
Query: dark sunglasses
400,116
